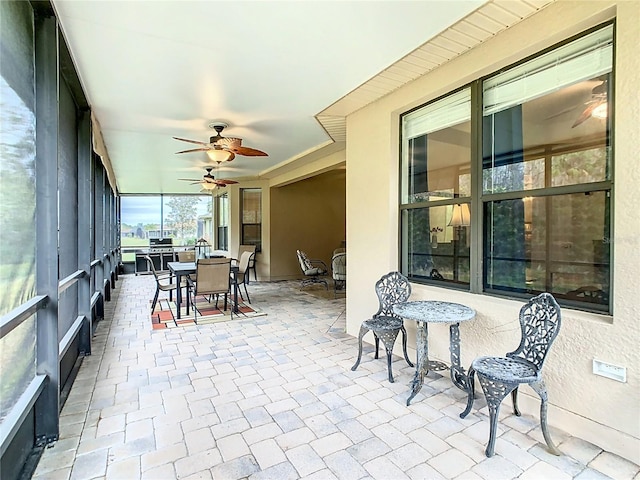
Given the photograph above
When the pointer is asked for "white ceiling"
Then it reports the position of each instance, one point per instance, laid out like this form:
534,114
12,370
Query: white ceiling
152,70
282,74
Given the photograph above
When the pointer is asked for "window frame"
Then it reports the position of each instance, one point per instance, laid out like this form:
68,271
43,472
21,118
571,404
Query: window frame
243,240
426,204
478,199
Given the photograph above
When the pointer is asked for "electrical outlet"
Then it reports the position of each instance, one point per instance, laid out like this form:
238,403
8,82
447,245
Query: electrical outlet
608,370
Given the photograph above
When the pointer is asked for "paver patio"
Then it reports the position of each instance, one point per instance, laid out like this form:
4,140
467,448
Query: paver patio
273,397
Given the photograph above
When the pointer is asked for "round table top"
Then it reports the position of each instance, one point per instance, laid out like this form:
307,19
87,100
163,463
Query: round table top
434,311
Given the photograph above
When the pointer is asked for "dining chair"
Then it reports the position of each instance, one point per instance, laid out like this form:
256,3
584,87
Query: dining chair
242,275
164,283
212,278
252,260
540,321
187,256
391,289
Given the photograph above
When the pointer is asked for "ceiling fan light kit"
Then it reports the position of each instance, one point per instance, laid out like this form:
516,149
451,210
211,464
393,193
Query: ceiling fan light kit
231,145
220,156
209,182
601,111
597,106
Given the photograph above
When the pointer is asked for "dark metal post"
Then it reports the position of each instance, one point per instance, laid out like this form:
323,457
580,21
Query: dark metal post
47,406
99,235
84,228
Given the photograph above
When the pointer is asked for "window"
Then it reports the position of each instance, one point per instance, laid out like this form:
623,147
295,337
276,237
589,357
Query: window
183,218
222,208
436,190
542,167
251,233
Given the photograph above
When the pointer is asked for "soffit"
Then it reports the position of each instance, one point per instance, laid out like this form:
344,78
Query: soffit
477,27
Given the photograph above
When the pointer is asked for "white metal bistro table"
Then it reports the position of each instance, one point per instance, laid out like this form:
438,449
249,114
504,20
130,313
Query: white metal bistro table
424,312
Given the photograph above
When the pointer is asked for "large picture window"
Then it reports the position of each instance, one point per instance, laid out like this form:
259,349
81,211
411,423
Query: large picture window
181,218
542,167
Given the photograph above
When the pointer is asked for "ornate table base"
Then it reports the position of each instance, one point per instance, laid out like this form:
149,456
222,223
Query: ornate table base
424,365
434,311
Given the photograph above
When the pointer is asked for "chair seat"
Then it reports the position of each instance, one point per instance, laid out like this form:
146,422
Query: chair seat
315,271
506,369
383,323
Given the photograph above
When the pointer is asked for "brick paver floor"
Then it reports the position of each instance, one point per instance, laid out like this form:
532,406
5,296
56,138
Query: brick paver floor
274,397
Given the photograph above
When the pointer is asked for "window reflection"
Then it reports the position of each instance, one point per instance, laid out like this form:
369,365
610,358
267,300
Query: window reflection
439,245
565,253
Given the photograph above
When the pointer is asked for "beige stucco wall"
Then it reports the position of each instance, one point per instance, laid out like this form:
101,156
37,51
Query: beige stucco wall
263,258
308,215
600,410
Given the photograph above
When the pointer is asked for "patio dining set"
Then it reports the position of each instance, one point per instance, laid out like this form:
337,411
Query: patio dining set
211,276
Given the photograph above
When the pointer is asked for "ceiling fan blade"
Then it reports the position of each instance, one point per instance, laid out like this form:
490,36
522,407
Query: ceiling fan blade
247,152
190,179
225,182
586,114
194,150
191,141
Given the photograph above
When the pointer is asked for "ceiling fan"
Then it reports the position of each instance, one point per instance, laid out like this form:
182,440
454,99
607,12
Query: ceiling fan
209,182
596,106
222,149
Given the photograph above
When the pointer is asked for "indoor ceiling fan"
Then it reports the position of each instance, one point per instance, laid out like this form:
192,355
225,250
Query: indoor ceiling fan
596,106
222,149
209,182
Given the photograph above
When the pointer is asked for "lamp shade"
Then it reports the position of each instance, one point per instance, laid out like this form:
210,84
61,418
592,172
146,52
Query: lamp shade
461,216
219,155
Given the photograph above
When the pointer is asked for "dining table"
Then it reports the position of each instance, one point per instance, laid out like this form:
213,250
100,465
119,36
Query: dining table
182,269
424,312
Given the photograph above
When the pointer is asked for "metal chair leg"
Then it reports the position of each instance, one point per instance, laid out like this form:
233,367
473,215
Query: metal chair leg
514,400
363,330
404,346
494,393
389,353
541,390
389,339
155,300
245,291
471,386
